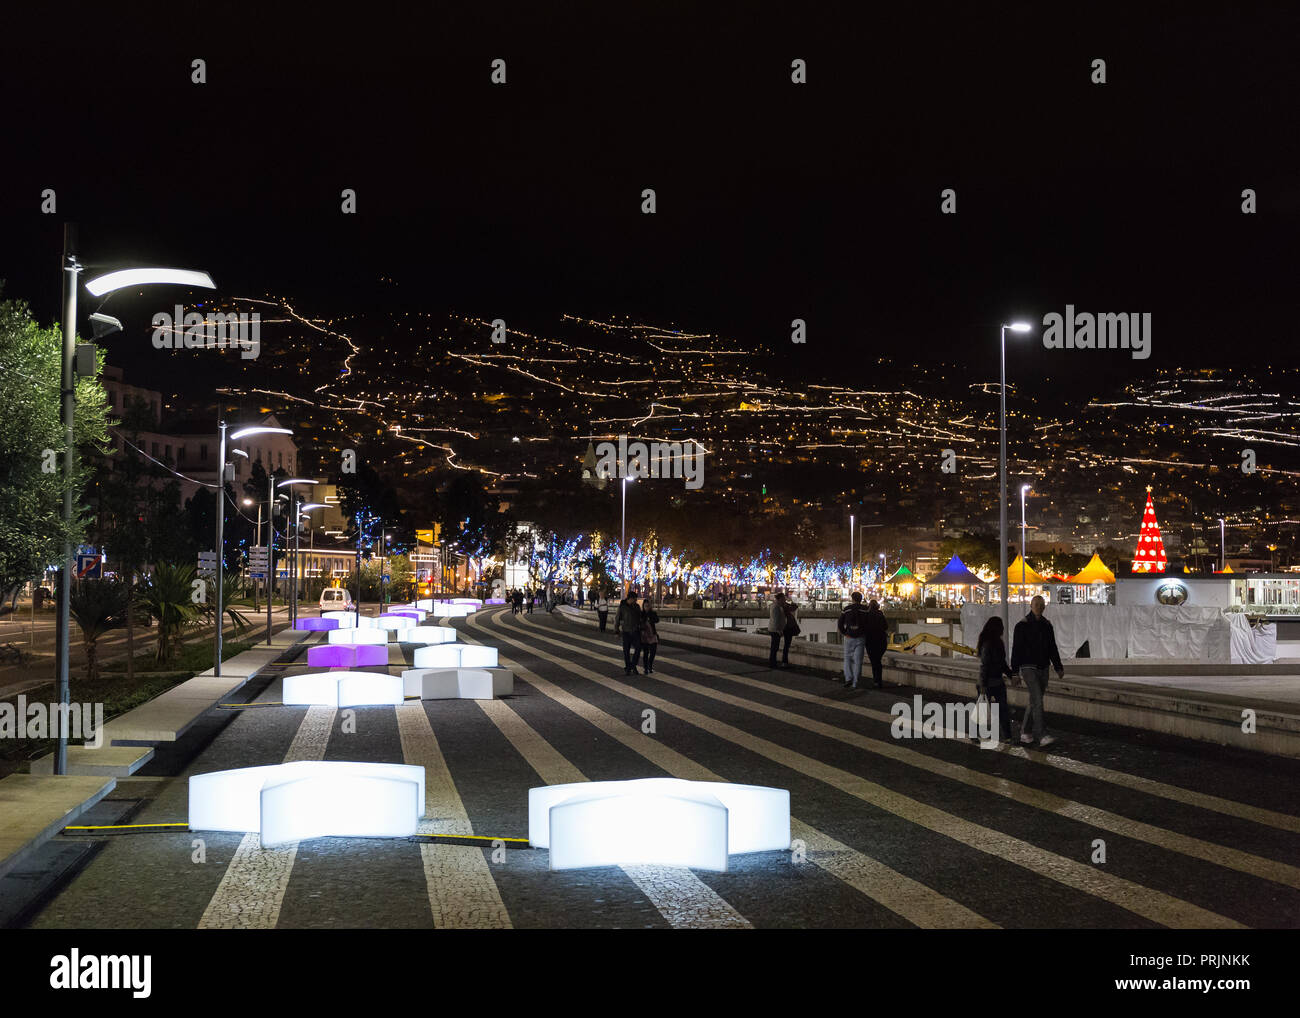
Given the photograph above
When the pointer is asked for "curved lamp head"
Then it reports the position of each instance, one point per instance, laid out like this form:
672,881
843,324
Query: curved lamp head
111,281
297,480
258,429
1019,326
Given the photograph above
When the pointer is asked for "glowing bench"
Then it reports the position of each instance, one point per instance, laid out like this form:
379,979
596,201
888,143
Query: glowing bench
394,623
355,636
455,655
310,799
458,683
656,821
316,625
342,689
427,634
346,655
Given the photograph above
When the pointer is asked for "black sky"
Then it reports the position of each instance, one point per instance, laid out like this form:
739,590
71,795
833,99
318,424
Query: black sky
775,201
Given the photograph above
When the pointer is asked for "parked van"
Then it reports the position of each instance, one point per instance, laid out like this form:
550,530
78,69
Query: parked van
336,599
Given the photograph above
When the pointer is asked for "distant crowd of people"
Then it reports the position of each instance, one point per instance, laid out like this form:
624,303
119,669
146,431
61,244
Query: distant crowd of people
521,600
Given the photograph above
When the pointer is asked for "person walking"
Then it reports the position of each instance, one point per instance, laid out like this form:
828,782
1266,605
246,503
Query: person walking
602,608
649,637
992,652
529,595
776,627
791,629
1033,648
628,623
580,597
877,640
853,628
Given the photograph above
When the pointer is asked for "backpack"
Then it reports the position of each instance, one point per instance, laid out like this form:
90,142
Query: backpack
854,625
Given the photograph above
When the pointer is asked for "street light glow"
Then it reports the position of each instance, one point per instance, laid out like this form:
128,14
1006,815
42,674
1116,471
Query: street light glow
297,480
1019,326
257,429
101,285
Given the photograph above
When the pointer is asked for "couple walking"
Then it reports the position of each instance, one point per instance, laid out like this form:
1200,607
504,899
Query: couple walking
863,629
1033,648
639,628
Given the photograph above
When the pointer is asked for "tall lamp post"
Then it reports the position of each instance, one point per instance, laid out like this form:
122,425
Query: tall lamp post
1223,548
294,509
1024,490
623,546
1002,474
852,521
71,370
219,548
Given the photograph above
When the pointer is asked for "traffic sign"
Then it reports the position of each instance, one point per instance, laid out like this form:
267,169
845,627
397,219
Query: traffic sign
89,567
208,562
257,562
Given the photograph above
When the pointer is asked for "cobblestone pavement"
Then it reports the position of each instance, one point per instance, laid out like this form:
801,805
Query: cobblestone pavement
889,833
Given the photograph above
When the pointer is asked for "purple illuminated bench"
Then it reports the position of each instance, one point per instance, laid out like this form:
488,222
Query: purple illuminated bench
346,655
316,625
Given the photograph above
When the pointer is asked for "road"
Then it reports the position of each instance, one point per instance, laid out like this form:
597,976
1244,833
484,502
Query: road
889,833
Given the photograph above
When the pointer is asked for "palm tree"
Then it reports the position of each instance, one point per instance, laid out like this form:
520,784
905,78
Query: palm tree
96,606
232,587
167,595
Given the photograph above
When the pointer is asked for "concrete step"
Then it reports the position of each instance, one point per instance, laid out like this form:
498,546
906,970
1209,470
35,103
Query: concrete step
106,761
35,807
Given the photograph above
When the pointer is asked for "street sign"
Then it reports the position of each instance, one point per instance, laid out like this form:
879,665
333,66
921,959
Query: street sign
89,567
257,562
208,562
387,578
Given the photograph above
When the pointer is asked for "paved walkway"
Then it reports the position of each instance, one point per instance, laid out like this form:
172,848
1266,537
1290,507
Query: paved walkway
890,833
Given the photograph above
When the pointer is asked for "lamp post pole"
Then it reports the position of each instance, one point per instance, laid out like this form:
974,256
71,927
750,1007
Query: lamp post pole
297,558
1223,548
221,526
852,522
1002,475
270,549
1024,488
71,269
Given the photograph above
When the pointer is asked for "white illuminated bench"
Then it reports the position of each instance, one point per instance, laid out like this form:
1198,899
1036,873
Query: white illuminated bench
310,799
458,683
657,822
427,634
354,636
455,655
343,689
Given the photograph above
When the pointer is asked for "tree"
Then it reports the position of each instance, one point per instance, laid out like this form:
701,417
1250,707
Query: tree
32,442
96,606
167,596
472,517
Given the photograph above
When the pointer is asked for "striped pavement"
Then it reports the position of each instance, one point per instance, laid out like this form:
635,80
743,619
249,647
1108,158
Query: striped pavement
889,833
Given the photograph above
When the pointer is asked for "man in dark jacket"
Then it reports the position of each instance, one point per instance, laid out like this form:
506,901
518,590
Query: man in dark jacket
877,639
1032,649
853,628
628,622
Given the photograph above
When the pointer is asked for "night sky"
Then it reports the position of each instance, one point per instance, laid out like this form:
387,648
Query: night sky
776,201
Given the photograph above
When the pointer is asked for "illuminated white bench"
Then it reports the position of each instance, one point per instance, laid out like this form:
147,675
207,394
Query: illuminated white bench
310,799
656,821
355,636
455,655
394,623
343,689
458,683
349,620
427,634
420,613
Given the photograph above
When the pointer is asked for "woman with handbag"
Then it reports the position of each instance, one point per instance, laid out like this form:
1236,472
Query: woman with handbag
992,653
649,637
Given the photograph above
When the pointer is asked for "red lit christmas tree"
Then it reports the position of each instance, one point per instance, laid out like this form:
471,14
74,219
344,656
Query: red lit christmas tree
1150,554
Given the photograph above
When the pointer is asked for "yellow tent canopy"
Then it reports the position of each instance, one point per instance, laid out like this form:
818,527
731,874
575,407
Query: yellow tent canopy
1094,572
1226,569
1013,573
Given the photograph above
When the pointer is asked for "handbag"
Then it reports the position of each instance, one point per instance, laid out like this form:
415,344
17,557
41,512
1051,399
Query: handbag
980,715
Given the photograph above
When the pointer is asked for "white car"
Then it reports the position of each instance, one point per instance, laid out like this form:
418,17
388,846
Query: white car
336,599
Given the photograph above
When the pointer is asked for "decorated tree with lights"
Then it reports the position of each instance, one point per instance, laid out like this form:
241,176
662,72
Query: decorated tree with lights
1150,554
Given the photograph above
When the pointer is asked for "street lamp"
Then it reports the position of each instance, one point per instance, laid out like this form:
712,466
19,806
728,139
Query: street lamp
1002,474
293,570
1024,490
219,548
98,287
623,548
1223,552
